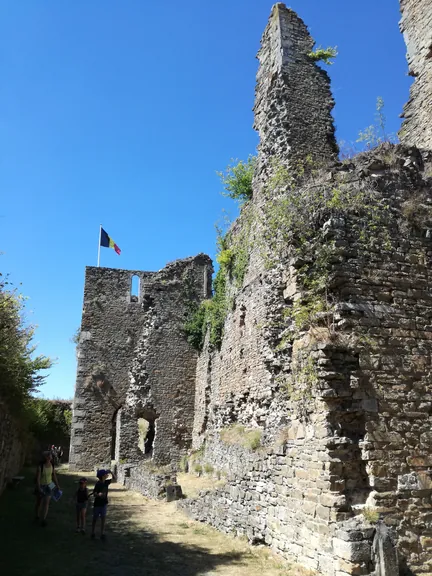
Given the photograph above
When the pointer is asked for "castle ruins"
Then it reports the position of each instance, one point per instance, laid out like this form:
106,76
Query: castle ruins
316,403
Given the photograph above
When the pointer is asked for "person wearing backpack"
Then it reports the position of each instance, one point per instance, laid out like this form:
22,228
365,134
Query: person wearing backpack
46,481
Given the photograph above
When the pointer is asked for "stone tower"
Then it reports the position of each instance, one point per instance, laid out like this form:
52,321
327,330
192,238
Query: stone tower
293,101
134,362
416,25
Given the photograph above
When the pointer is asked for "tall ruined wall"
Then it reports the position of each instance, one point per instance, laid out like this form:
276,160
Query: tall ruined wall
115,327
238,385
355,439
162,376
12,446
416,25
341,406
293,102
293,118
110,328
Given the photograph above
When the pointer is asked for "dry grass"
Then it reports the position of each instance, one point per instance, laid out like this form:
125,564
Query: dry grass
192,484
241,436
370,515
418,211
145,537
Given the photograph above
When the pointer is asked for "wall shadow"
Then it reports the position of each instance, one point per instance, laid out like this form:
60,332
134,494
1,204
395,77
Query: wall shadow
130,549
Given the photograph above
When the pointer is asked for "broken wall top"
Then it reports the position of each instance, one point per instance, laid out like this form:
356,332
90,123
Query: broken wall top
293,100
416,26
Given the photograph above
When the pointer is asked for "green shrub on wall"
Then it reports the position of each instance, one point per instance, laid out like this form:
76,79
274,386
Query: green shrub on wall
210,314
325,55
237,179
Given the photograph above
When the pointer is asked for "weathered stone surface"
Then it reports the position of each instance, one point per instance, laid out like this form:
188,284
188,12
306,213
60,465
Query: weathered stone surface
135,362
336,445
293,101
150,481
416,25
369,411
384,552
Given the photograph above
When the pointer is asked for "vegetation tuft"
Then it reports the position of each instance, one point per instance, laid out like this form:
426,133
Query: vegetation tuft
239,435
371,515
233,259
325,55
237,179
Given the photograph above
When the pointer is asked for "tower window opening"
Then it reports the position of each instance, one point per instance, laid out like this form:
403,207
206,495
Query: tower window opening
135,289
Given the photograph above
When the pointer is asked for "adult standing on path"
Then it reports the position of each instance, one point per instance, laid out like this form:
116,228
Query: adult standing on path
46,481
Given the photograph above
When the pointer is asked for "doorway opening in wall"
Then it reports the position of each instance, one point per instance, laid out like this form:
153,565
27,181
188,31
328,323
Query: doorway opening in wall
135,288
146,423
146,433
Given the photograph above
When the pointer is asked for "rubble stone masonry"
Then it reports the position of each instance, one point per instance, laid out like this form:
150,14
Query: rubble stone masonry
321,427
357,442
135,344
416,25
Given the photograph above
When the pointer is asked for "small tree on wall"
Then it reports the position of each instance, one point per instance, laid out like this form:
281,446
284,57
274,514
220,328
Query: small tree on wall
20,368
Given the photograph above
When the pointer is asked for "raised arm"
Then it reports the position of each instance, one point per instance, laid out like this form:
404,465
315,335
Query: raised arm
54,477
113,478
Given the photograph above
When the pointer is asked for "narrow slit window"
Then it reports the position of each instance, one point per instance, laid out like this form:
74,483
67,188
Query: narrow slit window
135,289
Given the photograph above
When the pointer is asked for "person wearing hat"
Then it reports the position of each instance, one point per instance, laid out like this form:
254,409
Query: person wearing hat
81,499
100,492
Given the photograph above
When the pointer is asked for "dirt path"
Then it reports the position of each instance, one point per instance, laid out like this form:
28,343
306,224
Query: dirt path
144,537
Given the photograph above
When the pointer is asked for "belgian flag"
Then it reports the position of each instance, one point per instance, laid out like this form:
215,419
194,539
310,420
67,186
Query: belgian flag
108,242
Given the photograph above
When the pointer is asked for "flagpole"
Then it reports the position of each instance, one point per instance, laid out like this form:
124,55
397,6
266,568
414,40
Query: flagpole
100,234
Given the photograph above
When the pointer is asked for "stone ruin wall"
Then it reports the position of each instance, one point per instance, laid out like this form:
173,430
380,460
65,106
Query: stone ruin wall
365,443
290,89
162,374
134,361
360,438
293,117
416,25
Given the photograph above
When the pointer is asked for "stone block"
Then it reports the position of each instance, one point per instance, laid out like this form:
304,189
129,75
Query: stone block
323,512
309,507
326,565
308,562
173,492
355,552
425,460
331,500
370,405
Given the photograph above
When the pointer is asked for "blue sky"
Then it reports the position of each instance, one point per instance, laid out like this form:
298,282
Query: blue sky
121,112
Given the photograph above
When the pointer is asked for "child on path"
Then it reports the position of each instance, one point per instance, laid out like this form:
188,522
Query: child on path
100,504
81,497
